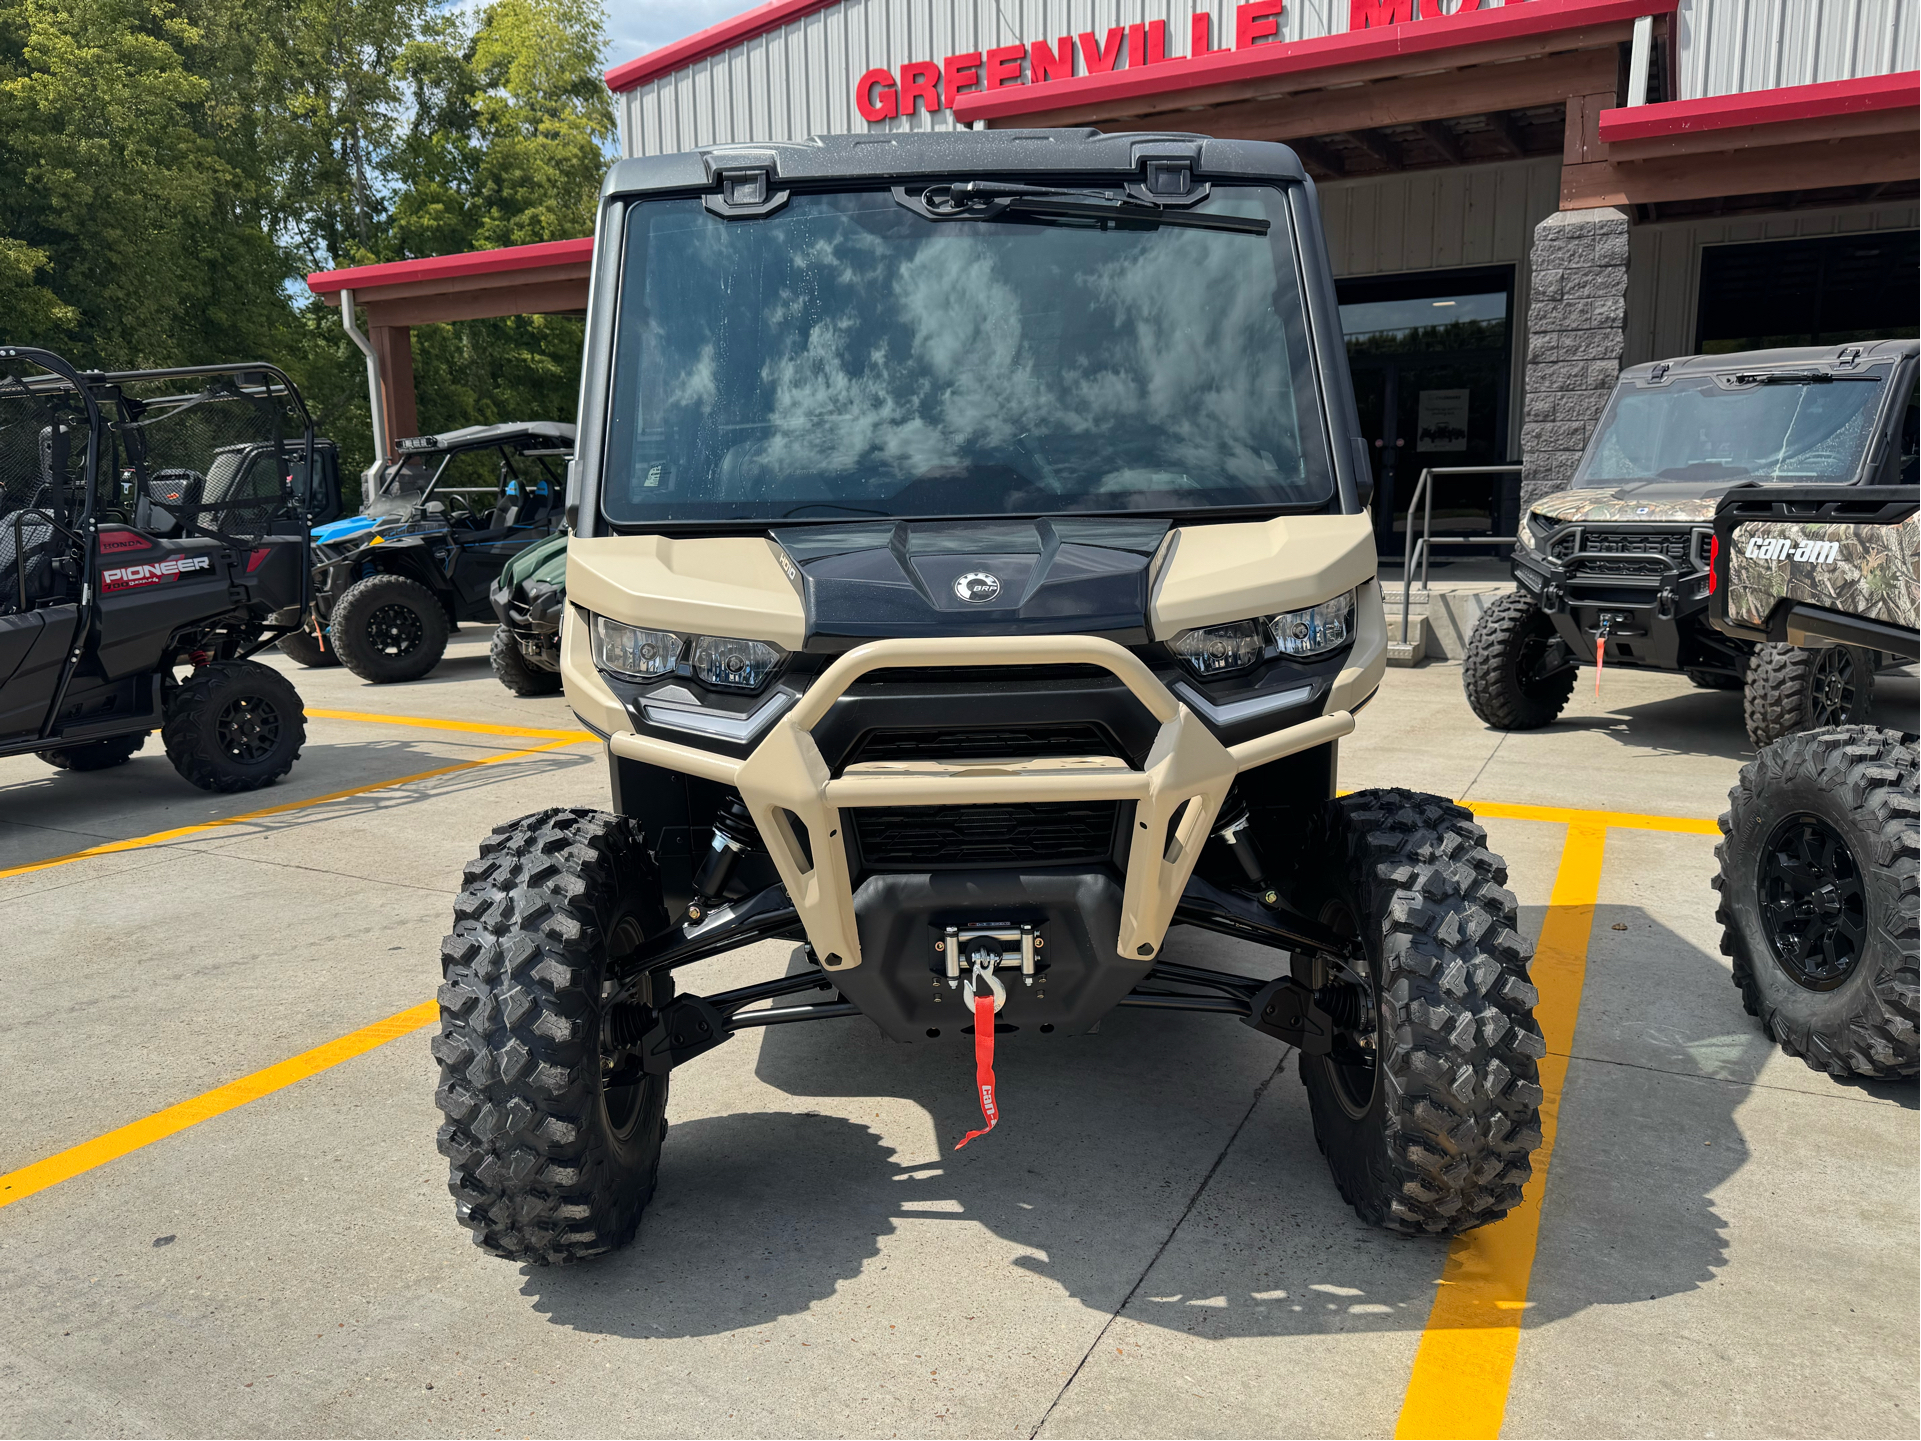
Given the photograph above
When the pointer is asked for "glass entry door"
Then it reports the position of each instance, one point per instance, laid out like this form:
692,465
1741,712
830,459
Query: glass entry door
1431,357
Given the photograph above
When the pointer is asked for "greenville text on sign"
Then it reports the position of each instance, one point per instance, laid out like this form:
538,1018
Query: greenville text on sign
930,86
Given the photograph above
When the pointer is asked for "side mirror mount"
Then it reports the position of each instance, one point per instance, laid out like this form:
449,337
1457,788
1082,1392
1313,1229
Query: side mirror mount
1363,472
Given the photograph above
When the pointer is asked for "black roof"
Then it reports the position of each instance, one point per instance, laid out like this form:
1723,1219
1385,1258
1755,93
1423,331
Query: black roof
1849,356
909,153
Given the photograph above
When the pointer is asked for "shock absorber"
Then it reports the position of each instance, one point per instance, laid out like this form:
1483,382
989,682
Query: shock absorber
735,834
1236,832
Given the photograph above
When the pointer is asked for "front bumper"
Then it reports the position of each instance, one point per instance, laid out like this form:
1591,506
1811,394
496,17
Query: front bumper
1177,791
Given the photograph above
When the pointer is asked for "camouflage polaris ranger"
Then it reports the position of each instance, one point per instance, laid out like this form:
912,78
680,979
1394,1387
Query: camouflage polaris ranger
1619,564
971,577
1818,868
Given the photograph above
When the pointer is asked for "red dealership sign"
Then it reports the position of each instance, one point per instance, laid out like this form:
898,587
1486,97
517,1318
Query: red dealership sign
930,86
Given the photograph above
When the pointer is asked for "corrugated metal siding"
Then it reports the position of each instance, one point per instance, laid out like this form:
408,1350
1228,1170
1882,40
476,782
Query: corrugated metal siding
799,80
1664,265
1444,220
1731,46
1438,219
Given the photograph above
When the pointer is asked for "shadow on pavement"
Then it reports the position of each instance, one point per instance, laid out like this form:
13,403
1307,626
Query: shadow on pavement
1103,1141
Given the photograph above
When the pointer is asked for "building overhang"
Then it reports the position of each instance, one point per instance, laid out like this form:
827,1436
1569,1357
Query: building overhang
545,279
1434,50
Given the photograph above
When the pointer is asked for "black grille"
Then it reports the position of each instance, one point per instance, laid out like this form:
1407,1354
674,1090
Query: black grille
950,837
1672,544
1650,565
979,743
1562,546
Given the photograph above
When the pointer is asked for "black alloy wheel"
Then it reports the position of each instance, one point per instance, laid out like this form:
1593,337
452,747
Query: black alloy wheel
1813,902
623,1023
1832,692
395,630
248,728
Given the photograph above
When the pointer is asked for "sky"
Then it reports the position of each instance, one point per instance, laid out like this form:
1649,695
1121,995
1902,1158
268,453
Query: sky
636,26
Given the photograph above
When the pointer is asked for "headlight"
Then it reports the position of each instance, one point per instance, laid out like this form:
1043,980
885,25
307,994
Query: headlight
736,664
1216,649
1318,629
1529,537
629,651
715,660
1222,649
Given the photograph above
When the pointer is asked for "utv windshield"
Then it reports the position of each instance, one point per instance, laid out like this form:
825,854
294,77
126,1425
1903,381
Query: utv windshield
1731,427
846,356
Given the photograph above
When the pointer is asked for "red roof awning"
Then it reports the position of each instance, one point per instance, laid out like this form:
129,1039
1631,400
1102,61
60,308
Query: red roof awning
466,266
711,41
1176,83
1784,105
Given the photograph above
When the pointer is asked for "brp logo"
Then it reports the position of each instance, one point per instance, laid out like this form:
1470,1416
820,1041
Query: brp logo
978,586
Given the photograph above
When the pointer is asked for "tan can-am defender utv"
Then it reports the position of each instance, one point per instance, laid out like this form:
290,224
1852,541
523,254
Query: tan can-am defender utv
1615,570
971,582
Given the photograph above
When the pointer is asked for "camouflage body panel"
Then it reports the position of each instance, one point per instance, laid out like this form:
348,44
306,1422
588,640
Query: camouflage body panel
1860,570
1608,505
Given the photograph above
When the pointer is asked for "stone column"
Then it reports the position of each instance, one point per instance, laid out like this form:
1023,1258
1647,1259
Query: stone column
1576,333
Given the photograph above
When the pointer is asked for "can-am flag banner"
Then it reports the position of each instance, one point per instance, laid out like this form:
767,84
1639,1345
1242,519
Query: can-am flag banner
930,86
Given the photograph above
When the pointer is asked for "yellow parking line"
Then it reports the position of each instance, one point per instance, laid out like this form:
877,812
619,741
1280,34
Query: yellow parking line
1624,820
182,832
20,1184
431,723
1461,1373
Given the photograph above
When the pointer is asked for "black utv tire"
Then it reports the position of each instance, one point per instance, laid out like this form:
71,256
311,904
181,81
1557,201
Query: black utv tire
389,628
94,755
547,1164
512,670
1790,689
234,725
1428,1111
1714,680
1507,643
308,649
1818,904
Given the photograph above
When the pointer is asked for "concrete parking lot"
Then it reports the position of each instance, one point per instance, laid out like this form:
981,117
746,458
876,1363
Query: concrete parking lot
1721,1242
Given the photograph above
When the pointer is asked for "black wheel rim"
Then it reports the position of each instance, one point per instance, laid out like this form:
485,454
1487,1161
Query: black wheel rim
1351,1002
1813,903
1831,692
623,1085
395,630
248,729
1542,657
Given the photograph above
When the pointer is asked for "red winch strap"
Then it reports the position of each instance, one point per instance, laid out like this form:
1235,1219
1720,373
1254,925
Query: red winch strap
1600,659
983,1062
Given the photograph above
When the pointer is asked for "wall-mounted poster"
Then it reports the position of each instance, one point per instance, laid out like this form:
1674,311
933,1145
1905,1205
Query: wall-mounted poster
1442,422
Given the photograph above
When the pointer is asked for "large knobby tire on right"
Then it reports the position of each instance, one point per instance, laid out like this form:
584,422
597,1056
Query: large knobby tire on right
308,649
389,628
1432,1132
1791,689
547,1162
1508,643
234,725
512,670
94,755
1818,897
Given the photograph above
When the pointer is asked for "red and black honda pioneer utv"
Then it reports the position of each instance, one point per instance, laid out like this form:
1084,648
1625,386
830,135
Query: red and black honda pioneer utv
153,523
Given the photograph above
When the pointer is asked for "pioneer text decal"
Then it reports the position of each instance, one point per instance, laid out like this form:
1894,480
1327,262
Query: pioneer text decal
152,572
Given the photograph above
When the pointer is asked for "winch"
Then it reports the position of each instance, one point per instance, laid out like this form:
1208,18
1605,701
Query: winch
988,948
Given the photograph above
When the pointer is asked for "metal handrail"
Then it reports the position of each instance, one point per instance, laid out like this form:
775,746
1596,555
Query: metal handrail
1425,486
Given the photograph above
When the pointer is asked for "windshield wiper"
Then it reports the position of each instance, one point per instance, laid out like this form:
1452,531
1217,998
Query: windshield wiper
998,200
1795,377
